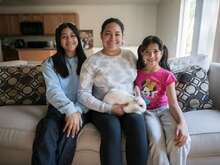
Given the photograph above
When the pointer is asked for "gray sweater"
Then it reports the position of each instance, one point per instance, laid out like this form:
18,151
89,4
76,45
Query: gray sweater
100,73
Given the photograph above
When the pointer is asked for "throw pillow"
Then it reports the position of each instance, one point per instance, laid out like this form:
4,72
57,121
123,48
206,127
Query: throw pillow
192,89
22,85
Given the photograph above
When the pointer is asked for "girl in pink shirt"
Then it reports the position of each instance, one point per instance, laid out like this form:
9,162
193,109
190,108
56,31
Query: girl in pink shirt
168,134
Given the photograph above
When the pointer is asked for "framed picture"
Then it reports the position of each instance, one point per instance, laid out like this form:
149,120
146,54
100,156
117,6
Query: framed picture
86,38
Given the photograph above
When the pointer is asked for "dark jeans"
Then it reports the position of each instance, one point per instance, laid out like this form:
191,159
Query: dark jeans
133,127
51,145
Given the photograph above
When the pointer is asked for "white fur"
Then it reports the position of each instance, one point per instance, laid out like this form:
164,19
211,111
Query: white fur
136,103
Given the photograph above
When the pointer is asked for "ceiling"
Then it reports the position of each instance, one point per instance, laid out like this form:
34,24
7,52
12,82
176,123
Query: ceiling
71,2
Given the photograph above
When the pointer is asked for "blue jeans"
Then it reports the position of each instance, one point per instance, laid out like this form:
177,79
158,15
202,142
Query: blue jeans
133,126
51,145
161,128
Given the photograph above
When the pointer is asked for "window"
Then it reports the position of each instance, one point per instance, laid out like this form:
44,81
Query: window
196,30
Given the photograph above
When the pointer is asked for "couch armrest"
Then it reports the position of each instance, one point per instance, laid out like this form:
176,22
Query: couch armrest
214,84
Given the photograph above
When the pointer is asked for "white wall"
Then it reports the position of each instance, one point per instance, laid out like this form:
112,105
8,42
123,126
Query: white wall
167,23
139,20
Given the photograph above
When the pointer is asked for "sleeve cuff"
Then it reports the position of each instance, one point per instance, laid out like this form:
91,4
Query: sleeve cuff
108,108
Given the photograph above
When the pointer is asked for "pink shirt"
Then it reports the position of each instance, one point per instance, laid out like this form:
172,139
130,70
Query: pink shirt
153,86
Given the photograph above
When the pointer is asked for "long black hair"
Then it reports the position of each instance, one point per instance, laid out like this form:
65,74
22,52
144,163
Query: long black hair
59,58
145,43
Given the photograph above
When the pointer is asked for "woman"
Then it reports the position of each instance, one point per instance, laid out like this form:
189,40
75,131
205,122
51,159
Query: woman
113,67
56,133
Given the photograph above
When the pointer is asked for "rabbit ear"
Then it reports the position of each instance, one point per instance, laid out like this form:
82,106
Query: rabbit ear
137,92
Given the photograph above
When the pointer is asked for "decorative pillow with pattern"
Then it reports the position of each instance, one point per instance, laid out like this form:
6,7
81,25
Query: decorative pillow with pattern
192,89
22,85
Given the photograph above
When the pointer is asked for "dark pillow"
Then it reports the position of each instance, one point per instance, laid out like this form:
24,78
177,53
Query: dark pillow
22,85
192,89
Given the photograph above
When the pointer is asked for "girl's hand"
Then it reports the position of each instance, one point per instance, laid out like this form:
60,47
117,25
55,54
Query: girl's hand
181,135
117,109
73,124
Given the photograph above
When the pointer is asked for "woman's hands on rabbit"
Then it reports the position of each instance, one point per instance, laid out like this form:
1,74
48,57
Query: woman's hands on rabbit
118,109
124,102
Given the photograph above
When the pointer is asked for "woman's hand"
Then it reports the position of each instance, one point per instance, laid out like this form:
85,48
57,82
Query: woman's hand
117,109
73,124
181,135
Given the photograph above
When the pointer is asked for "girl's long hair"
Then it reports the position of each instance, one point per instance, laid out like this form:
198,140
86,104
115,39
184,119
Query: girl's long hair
59,58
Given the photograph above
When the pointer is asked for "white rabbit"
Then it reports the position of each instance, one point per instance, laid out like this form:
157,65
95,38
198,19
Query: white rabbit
135,102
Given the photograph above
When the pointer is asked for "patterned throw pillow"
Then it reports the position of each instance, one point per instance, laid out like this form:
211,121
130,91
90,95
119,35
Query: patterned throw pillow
22,85
192,89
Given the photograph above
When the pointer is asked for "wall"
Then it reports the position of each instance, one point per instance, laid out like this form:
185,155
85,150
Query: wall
167,23
139,19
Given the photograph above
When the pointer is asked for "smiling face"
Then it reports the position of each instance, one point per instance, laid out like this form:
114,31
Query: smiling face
112,38
152,56
69,41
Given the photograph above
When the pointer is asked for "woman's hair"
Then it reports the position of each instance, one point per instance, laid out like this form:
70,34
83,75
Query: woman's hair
145,43
59,58
112,20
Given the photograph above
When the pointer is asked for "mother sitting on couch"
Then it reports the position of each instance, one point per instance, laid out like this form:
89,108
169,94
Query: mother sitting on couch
56,133
113,67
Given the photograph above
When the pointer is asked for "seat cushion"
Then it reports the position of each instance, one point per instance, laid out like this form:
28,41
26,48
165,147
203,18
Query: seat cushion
88,146
204,129
18,124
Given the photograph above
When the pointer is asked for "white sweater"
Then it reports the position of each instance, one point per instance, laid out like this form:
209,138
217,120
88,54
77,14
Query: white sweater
100,73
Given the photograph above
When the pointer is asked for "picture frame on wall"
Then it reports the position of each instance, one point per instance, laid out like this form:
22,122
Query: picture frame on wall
86,38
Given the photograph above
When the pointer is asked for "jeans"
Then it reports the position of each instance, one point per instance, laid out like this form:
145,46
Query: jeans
134,129
161,128
51,145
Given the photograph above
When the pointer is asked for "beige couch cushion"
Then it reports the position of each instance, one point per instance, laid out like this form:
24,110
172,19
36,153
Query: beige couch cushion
88,146
204,131
18,123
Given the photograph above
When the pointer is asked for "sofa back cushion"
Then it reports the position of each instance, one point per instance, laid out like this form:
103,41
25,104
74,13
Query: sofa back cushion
181,63
192,89
22,85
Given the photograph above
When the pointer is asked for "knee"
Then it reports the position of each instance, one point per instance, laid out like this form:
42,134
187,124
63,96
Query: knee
157,140
173,148
111,131
47,128
135,123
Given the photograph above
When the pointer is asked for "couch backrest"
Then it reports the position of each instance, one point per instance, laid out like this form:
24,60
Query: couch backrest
214,84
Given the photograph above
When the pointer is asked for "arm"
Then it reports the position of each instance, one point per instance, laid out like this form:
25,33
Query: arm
55,94
181,130
57,97
85,95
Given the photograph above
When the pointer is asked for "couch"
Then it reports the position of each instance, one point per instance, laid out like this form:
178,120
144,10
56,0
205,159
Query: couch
18,122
